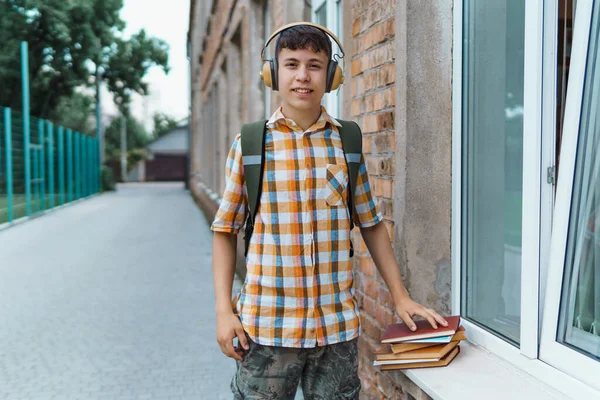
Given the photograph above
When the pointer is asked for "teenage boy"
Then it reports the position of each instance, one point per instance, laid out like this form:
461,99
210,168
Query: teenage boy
296,318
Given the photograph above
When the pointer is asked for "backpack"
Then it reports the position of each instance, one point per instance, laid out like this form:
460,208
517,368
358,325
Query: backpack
253,157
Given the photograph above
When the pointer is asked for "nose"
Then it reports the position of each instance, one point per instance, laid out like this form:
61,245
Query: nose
302,74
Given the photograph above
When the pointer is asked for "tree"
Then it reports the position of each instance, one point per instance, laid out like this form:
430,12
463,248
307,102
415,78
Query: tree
75,112
70,42
163,124
137,136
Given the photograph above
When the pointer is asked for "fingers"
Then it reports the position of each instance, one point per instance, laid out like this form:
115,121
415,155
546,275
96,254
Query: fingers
230,351
241,335
439,318
432,317
226,346
408,320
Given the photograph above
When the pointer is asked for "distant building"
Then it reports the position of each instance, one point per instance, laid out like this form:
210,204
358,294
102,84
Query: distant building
167,158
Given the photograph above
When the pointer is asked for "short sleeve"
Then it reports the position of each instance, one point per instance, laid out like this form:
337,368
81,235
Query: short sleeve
231,214
367,212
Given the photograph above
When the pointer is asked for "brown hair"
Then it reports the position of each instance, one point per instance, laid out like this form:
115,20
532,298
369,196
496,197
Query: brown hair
303,37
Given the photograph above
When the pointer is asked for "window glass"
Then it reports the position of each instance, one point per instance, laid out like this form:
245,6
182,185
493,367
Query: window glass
492,165
579,321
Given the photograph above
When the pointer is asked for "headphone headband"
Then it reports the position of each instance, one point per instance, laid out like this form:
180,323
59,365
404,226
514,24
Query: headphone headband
285,27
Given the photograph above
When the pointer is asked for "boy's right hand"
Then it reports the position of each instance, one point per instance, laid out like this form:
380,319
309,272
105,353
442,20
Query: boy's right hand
229,327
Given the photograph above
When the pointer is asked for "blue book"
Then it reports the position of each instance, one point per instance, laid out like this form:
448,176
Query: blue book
439,339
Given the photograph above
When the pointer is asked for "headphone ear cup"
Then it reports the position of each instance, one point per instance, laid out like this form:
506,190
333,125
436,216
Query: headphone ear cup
265,74
335,77
330,73
274,80
338,78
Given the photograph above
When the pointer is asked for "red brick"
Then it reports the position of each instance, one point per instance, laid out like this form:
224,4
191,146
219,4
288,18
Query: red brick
383,188
371,288
356,27
390,28
385,121
370,82
366,347
356,67
385,299
371,307
370,327
384,99
386,75
359,284
387,208
381,166
380,55
370,124
372,165
370,103
384,142
384,316
387,385
355,110
367,144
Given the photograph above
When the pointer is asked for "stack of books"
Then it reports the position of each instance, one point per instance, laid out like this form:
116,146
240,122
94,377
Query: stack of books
424,348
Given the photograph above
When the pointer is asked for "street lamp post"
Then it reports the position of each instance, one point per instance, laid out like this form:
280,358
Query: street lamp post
98,114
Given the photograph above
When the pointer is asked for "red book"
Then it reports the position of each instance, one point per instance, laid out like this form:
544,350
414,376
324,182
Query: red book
395,333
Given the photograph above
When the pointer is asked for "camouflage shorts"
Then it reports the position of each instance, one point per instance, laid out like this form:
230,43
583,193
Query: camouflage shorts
325,373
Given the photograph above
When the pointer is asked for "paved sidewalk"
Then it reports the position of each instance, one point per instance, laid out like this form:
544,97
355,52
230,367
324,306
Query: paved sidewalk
111,298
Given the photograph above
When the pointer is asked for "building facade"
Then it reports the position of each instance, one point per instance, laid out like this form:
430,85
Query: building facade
467,122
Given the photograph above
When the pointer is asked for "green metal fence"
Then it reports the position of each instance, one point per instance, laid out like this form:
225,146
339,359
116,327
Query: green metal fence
43,166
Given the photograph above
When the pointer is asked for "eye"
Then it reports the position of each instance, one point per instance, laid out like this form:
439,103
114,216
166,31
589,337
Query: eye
316,66
290,64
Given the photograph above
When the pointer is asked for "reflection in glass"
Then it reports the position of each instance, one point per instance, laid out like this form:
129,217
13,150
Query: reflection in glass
492,164
579,322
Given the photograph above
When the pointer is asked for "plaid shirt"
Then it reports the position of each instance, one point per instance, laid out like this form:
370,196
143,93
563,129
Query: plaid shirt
298,290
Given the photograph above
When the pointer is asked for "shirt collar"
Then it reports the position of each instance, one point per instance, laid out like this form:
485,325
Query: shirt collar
278,117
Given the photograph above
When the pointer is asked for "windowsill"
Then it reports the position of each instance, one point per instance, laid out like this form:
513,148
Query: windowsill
478,374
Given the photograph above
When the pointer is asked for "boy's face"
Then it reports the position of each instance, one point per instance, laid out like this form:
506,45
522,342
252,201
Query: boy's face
302,79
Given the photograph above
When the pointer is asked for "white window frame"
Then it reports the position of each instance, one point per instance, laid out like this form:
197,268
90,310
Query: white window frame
332,100
555,353
538,153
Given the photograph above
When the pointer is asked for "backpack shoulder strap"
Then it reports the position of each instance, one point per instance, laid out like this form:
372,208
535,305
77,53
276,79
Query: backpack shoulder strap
351,136
253,155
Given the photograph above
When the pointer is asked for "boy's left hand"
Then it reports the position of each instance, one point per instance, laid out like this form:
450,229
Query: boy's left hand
408,308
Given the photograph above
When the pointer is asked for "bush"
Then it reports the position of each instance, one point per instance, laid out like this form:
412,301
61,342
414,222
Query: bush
108,179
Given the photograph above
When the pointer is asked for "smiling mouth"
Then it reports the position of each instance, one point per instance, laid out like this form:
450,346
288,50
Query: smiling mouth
304,91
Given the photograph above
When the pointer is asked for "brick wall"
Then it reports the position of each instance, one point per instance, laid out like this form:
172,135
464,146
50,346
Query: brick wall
373,81
401,96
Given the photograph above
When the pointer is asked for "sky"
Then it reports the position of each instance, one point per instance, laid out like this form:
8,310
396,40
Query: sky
167,20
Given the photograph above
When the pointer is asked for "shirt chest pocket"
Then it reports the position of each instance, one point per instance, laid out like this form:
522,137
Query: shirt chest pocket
336,183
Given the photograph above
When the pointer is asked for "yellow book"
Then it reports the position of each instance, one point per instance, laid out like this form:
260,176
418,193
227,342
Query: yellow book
441,363
431,353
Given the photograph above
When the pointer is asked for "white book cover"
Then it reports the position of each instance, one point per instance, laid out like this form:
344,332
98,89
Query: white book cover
396,362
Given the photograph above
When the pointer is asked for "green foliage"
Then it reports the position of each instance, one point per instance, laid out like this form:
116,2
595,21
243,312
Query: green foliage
76,112
69,43
137,137
107,178
163,124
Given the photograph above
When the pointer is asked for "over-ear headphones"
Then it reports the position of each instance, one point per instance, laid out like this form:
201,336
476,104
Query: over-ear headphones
268,74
